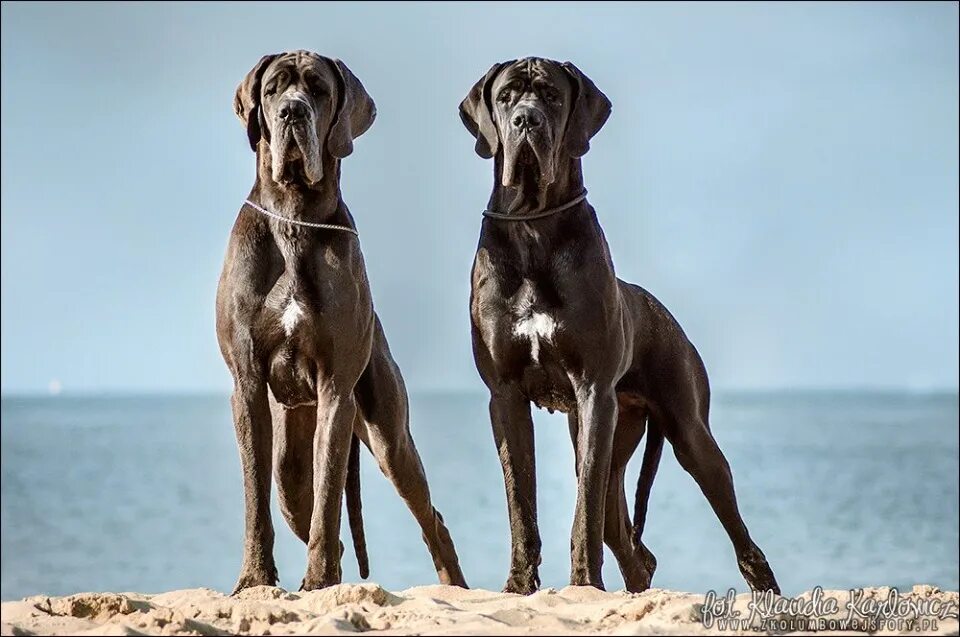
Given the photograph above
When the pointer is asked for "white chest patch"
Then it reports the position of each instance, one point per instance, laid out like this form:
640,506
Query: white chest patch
536,327
291,316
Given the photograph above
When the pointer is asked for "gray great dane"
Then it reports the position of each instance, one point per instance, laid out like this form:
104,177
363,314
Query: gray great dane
553,325
312,371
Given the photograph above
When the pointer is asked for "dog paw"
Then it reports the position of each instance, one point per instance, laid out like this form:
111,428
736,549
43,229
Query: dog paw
321,577
637,579
648,560
323,568
315,584
522,585
580,577
256,577
758,573
452,577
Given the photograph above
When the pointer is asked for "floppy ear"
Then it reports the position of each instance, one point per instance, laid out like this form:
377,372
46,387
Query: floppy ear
475,111
246,102
355,112
590,111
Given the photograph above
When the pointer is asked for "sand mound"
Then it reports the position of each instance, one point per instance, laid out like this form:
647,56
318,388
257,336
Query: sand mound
425,610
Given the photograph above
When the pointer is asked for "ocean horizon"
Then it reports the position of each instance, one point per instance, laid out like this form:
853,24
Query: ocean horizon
131,491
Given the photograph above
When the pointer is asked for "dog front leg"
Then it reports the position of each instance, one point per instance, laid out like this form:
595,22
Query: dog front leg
251,419
513,433
597,410
331,446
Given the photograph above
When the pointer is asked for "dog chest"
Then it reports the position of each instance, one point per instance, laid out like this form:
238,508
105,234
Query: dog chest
536,326
291,315
537,329
533,322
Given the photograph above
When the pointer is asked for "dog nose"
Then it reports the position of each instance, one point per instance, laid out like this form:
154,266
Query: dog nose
293,111
527,118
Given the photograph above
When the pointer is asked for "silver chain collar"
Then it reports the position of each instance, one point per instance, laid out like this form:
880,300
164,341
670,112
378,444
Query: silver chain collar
297,222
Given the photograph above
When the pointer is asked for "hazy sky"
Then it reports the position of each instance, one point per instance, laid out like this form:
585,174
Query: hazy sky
783,177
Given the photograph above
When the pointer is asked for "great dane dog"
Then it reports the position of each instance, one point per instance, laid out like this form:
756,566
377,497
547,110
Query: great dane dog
552,324
295,320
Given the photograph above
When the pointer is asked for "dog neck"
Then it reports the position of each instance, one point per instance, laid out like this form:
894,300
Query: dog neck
530,199
320,203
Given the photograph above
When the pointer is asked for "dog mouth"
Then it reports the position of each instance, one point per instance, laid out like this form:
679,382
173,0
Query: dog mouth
296,158
293,172
293,153
527,165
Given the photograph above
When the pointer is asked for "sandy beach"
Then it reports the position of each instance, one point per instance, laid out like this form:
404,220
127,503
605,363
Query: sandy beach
425,610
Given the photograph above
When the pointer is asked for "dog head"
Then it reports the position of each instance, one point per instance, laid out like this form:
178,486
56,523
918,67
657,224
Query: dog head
301,106
535,111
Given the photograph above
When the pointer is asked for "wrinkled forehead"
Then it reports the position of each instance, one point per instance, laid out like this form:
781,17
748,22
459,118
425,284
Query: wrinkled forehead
530,69
301,64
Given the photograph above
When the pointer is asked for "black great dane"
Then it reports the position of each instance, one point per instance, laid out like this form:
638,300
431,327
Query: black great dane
552,324
297,329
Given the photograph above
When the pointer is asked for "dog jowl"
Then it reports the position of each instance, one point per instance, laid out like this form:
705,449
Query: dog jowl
554,326
313,374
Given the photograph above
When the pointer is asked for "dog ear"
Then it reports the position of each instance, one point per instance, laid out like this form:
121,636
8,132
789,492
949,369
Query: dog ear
355,112
590,111
477,116
246,102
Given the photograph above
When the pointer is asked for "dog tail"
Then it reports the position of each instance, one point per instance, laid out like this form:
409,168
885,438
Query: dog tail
354,508
648,471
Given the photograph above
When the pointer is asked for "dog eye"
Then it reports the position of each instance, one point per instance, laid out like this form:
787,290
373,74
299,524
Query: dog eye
504,95
552,96
270,90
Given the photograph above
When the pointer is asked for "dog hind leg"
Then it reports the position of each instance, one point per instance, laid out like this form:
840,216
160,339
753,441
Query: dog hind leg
382,399
699,455
648,471
617,531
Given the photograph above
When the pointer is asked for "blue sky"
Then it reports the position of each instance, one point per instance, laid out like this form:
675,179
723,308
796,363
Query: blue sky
783,177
